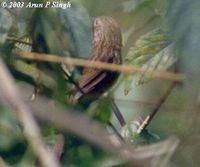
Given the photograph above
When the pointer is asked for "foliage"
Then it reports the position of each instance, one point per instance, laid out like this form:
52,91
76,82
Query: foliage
129,133
151,51
6,23
156,34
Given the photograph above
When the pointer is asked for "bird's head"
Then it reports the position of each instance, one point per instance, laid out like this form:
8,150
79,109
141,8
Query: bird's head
106,29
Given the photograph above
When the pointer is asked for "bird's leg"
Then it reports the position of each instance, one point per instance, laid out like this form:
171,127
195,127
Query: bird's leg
118,114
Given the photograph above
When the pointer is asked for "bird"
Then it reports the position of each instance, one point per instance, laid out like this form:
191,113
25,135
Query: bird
106,47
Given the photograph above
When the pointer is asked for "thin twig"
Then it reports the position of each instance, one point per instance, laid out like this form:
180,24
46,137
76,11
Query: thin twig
148,119
31,130
100,65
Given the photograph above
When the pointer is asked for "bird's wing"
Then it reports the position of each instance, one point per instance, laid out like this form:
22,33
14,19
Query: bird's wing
89,81
89,84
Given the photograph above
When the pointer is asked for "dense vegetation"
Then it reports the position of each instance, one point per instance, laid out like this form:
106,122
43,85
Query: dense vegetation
158,96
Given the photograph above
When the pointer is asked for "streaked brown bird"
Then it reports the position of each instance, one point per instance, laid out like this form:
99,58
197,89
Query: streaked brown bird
106,47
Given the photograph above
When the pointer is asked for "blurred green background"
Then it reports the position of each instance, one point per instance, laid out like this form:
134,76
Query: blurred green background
71,32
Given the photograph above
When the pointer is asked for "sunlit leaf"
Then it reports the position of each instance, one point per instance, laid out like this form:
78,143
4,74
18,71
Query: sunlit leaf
129,133
152,51
22,46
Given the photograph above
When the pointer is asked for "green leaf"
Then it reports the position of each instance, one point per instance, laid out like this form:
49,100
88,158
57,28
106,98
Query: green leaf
129,133
10,131
63,32
129,6
81,29
101,109
6,23
154,51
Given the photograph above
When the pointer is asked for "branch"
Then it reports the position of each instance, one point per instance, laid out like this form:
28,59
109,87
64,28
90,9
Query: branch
83,127
11,95
148,119
99,65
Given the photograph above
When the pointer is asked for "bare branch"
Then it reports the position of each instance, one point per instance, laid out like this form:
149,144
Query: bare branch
148,119
11,95
80,125
99,65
